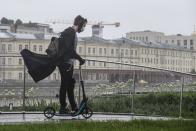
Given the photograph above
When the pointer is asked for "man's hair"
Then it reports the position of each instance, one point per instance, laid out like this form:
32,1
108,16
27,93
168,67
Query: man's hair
79,20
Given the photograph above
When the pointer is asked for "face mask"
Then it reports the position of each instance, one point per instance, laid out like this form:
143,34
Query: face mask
81,28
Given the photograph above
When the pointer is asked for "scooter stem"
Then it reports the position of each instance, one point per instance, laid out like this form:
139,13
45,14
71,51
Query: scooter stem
82,83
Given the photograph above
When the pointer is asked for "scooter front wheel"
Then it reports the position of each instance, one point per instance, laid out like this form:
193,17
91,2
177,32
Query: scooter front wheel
49,112
87,113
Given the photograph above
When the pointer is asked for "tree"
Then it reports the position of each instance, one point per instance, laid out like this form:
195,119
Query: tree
18,22
7,21
4,21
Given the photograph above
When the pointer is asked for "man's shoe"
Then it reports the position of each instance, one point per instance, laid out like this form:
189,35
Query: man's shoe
81,109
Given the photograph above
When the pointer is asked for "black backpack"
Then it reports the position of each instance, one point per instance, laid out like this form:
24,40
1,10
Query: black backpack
53,48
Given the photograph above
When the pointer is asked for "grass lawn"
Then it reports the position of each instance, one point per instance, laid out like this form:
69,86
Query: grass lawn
142,125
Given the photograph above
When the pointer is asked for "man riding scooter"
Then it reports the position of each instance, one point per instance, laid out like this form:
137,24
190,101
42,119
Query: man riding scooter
68,39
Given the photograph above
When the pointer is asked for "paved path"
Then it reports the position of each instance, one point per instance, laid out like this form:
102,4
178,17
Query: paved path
37,118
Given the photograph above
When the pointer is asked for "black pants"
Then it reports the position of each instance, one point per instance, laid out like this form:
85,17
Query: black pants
67,85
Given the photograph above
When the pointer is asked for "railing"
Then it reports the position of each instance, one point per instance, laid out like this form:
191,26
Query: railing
125,89
188,76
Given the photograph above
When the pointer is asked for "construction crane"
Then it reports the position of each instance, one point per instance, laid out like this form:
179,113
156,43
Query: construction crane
97,27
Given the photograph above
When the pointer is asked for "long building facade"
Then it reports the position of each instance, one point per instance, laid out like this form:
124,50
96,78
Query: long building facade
122,50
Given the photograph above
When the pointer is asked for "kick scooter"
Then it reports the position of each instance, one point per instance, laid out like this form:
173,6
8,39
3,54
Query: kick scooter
83,110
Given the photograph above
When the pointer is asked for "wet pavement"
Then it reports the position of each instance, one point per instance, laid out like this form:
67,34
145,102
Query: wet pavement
39,117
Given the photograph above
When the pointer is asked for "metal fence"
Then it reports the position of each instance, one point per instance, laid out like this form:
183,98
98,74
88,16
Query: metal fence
111,87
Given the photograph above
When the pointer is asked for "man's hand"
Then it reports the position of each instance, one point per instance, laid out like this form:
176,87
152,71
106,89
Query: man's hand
82,61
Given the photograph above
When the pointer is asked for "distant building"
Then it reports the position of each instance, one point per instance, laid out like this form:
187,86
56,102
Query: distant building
5,28
32,28
145,36
187,42
27,28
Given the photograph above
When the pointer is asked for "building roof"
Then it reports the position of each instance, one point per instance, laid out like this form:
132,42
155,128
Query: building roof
124,40
35,25
4,35
95,39
24,36
153,45
145,31
7,35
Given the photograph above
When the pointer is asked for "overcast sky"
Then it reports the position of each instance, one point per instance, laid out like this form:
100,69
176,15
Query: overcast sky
168,16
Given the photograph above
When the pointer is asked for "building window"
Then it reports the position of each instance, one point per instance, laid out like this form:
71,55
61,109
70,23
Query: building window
3,61
20,47
172,41
3,48
104,64
93,51
131,52
26,46
54,76
191,44
126,52
122,52
40,48
9,48
100,51
178,42
20,61
93,76
20,76
112,51
105,51
135,53
9,61
80,50
185,43
34,48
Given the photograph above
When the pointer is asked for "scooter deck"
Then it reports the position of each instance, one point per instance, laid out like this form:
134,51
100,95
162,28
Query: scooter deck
57,114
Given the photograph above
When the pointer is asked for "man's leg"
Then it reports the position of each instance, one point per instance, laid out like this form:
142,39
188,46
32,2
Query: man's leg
70,93
70,90
62,92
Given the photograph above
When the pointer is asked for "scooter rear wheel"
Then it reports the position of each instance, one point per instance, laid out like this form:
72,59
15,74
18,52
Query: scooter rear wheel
87,113
49,112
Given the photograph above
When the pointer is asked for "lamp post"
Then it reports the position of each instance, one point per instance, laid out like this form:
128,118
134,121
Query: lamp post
181,95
